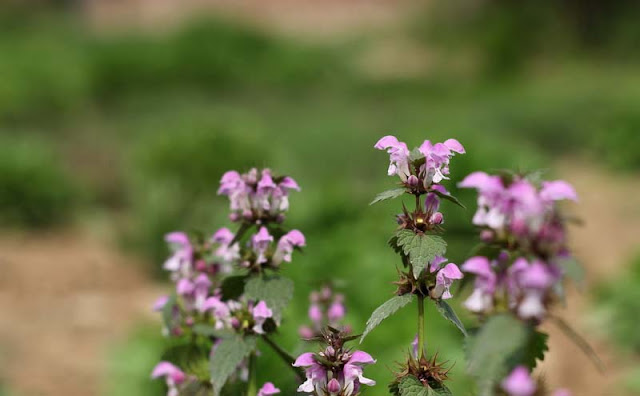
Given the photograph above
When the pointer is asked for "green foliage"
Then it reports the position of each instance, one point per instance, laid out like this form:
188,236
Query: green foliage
35,188
275,290
411,386
228,355
389,194
533,350
489,350
232,287
385,310
449,198
421,248
448,313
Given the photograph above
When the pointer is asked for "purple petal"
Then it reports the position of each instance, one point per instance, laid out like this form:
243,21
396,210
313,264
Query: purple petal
478,265
262,311
268,389
160,303
177,237
289,183
475,180
305,360
184,287
454,145
223,235
451,271
519,383
558,190
386,142
296,238
435,263
164,369
360,357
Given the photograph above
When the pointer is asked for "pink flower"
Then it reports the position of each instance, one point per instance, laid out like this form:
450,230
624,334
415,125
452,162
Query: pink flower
444,280
173,376
286,244
481,299
315,313
519,383
348,367
398,156
558,190
336,311
182,252
260,243
260,314
160,303
268,389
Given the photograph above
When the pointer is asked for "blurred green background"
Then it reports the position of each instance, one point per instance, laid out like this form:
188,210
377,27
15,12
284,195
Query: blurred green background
124,131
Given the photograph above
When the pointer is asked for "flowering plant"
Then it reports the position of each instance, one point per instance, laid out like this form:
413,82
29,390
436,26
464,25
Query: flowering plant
229,293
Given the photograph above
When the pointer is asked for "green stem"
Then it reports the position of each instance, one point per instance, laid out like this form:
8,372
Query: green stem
421,325
252,387
284,355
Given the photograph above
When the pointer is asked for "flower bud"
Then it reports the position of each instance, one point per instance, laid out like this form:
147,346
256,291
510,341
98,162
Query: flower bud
201,266
234,217
326,293
330,351
333,386
413,181
315,314
189,321
305,332
487,236
437,218
235,323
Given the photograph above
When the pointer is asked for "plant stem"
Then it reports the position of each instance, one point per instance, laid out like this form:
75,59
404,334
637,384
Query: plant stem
421,325
284,355
252,387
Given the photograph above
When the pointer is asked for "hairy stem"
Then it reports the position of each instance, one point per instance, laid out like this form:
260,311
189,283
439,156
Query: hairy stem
252,387
421,325
284,355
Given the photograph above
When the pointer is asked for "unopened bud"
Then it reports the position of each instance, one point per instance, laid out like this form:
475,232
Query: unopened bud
235,323
413,181
437,218
201,266
234,217
189,321
487,236
326,293
330,351
333,386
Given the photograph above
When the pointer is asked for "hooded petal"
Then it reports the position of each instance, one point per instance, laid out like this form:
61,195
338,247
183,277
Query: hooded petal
519,383
454,145
305,360
558,190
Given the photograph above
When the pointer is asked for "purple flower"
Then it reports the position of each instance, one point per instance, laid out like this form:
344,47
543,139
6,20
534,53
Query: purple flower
173,376
481,299
437,157
260,314
348,369
336,311
268,389
180,261
227,253
398,156
315,313
519,383
159,304
558,190
286,244
444,280
260,243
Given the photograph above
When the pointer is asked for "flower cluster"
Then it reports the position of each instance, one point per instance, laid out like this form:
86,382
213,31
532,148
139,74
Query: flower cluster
326,309
335,371
421,168
520,383
524,224
201,266
257,196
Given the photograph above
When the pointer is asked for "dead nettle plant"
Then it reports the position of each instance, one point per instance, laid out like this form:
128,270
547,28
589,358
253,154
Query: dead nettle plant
230,297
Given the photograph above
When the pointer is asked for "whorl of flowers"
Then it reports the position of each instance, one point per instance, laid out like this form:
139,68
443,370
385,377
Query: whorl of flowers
522,222
336,370
257,196
199,267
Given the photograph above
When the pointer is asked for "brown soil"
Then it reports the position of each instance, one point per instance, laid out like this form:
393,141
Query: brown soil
64,299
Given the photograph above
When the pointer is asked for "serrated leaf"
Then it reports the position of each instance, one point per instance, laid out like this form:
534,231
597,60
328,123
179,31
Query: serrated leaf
411,386
226,358
449,198
421,248
232,287
385,310
532,352
441,390
389,194
448,313
489,350
276,291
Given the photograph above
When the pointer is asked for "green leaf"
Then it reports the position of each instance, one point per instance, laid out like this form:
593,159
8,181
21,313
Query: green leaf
411,386
196,388
448,313
389,194
533,350
210,331
449,198
276,291
421,248
572,268
489,350
232,287
384,311
226,358
441,389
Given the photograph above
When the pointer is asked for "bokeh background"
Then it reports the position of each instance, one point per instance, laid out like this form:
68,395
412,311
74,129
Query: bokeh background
117,119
